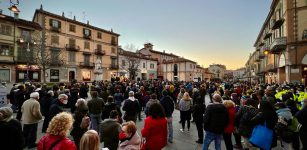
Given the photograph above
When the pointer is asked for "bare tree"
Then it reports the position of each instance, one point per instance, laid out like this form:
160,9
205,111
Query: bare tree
133,59
43,57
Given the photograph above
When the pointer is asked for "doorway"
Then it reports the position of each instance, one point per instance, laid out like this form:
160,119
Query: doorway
71,76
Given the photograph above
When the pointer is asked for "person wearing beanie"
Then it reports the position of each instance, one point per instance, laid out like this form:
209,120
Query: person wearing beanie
31,115
10,129
168,104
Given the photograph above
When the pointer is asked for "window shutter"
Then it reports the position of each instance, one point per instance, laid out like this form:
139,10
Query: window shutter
90,32
59,24
50,22
83,31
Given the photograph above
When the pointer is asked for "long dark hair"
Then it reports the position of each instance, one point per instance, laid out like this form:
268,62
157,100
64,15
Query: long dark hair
156,111
267,109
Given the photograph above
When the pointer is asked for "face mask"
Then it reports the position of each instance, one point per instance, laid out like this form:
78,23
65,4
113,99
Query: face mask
65,102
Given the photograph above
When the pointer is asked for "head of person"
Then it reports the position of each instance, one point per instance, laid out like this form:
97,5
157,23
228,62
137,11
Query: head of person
164,93
217,98
280,105
156,111
129,128
6,114
34,95
90,141
94,94
153,96
80,103
266,108
186,96
50,93
182,90
110,99
63,98
131,94
114,115
60,124
229,103
304,103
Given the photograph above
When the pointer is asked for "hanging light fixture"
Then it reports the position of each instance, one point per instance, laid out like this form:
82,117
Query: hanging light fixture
14,7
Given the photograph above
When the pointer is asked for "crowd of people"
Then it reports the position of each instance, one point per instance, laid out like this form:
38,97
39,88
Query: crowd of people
79,116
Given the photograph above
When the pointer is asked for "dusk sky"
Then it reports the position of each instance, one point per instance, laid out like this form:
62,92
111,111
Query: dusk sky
205,31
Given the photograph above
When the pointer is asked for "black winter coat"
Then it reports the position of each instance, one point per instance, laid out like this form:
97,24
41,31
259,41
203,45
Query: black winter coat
168,105
215,118
198,112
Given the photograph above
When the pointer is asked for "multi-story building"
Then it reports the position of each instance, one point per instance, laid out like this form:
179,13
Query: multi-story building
16,49
179,69
281,45
161,56
207,75
238,74
146,66
76,48
218,71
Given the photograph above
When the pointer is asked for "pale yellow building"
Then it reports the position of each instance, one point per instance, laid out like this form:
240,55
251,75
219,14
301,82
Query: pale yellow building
80,46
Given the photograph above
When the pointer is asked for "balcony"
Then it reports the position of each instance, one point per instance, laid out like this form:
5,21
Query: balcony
87,37
261,54
276,23
113,42
267,35
72,47
278,45
56,63
87,65
55,29
114,66
99,52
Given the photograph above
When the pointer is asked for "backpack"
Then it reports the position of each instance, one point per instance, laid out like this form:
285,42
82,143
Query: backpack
282,129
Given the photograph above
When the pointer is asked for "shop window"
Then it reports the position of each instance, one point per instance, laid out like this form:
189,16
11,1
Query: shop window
4,75
54,75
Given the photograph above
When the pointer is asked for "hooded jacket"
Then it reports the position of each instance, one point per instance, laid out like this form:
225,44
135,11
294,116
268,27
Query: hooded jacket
285,113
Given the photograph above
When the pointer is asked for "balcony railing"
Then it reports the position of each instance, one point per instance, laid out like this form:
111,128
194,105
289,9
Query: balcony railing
87,37
56,63
72,47
267,35
55,29
276,23
113,42
114,66
87,64
278,45
100,52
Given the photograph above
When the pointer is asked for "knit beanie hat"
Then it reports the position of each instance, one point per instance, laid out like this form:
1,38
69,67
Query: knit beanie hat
7,113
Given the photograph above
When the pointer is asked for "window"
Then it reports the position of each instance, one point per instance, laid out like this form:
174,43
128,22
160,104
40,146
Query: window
55,53
54,39
304,34
99,35
86,32
5,50
113,51
5,74
86,45
123,63
87,59
54,75
144,65
152,66
55,23
72,42
5,29
71,56
191,66
99,47
25,35
72,28
113,41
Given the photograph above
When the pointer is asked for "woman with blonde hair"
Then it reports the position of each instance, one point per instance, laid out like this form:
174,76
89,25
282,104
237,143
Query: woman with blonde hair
230,128
90,141
128,137
185,107
57,132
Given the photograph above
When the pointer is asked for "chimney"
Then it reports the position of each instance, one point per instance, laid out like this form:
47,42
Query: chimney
63,15
163,51
148,46
111,30
74,18
41,8
88,22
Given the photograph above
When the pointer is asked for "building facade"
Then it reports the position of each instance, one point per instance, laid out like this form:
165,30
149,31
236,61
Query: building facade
180,69
239,74
218,71
146,67
16,49
281,46
76,48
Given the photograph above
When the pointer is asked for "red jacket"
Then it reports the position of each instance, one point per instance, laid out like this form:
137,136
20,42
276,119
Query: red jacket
155,133
47,140
231,120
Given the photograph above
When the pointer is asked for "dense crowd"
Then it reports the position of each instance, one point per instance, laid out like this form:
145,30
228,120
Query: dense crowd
82,116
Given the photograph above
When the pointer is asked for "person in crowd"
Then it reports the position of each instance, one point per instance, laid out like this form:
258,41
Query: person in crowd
168,105
83,90
155,128
268,116
131,108
109,131
198,116
20,98
153,99
46,103
243,118
179,96
90,141
118,97
81,123
215,121
109,106
74,96
128,137
230,105
95,107
57,132
185,106
301,117
58,105
31,115
11,131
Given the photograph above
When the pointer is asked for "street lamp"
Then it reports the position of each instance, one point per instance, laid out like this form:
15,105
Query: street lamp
28,53
13,7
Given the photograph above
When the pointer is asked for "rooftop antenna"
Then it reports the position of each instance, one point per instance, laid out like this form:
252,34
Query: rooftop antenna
84,17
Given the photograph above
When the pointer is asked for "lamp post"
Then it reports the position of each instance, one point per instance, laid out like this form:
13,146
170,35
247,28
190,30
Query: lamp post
28,54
